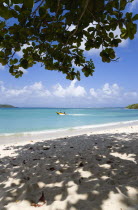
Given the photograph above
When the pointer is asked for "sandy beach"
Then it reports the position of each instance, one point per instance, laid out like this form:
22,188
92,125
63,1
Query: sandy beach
93,171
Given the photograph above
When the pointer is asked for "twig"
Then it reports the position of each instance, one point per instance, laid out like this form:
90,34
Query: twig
38,7
57,7
86,5
116,59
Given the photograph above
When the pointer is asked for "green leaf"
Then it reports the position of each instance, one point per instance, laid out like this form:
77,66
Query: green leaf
24,63
115,4
2,24
42,11
129,15
46,28
18,1
124,35
13,61
11,69
135,17
28,3
16,7
5,12
111,34
123,4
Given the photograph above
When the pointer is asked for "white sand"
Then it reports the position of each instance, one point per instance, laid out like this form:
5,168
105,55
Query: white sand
95,171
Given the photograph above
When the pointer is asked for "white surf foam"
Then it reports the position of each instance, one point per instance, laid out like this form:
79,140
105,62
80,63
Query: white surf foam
61,130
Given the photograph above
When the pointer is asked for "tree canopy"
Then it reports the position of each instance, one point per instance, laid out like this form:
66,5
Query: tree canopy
44,28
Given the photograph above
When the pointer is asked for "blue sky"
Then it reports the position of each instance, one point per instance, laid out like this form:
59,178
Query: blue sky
114,84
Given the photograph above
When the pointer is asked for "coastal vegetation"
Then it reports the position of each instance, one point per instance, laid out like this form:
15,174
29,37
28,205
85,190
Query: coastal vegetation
132,106
56,33
6,106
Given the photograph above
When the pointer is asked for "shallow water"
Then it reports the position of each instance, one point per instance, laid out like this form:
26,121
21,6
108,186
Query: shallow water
22,120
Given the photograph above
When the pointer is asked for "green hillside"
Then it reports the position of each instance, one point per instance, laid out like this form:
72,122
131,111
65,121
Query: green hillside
6,106
133,106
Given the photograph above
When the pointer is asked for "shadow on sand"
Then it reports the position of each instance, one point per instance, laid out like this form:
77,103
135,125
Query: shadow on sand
96,172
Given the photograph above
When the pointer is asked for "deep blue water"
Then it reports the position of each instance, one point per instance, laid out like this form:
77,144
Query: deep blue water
18,120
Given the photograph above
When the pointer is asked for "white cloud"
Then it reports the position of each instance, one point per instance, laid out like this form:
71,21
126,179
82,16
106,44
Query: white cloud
71,28
92,51
107,93
113,95
20,53
93,93
38,95
111,89
131,94
2,88
133,5
71,90
124,42
17,95
95,51
72,95
23,70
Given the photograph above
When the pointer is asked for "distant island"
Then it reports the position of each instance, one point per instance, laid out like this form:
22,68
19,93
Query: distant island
132,106
6,106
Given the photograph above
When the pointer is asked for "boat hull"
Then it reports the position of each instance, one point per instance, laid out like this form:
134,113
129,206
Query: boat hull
60,113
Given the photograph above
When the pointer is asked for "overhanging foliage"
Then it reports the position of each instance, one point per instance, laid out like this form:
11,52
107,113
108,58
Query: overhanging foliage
44,27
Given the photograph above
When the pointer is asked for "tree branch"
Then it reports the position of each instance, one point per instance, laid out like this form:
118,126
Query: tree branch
38,7
86,5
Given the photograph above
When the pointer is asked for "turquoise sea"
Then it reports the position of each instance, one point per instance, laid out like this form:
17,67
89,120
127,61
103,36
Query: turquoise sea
22,120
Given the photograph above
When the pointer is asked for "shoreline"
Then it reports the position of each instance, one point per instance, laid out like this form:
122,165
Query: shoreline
10,138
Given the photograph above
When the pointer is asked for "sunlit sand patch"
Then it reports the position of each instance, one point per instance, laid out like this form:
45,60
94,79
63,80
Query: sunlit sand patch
106,166
104,177
58,197
117,201
41,184
133,194
77,177
84,174
125,156
56,184
11,181
73,195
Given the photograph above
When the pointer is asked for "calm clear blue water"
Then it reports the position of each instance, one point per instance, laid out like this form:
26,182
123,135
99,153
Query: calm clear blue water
20,120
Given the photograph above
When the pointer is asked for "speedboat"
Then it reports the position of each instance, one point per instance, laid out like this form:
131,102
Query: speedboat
61,113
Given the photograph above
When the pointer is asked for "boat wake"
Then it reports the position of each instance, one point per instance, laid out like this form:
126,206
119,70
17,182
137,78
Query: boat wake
78,114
